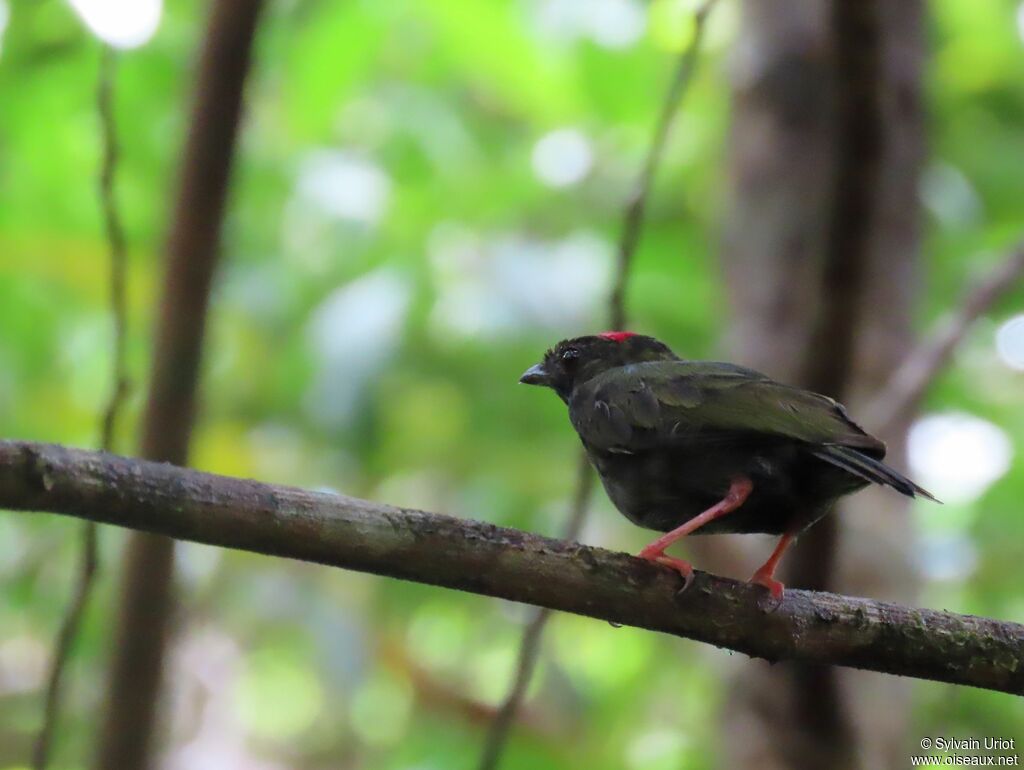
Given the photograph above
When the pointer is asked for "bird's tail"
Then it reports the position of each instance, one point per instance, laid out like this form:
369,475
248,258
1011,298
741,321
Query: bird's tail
870,469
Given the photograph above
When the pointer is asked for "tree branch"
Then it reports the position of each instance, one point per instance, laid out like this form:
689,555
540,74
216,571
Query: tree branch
342,531
908,385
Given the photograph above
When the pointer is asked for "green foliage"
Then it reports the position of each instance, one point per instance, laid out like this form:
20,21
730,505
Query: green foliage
376,351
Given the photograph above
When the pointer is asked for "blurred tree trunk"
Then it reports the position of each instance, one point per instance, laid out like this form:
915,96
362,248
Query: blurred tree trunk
146,592
820,255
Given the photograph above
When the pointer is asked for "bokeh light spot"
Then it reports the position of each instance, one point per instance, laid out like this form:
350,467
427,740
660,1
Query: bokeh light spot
494,286
616,23
958,456
5,15
562,158
949,195
345,185
120,23
1010,342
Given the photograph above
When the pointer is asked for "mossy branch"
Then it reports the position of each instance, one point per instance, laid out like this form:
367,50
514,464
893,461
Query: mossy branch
430,548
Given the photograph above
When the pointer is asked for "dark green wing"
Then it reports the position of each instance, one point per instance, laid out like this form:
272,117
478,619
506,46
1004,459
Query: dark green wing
665,403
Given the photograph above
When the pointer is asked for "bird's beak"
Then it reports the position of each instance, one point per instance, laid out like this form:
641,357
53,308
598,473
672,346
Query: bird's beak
535,375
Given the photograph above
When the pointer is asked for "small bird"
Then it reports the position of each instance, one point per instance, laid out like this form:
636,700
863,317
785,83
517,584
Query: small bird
702,446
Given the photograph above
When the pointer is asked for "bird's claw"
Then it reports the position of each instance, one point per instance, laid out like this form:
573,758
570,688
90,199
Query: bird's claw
687,582
776,589
684,568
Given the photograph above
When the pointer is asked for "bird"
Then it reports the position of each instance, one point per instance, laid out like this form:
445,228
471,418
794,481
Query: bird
684,446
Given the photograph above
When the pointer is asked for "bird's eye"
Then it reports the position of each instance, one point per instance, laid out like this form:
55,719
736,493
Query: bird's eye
570,355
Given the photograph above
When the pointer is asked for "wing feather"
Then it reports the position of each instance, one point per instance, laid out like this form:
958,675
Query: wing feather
669,403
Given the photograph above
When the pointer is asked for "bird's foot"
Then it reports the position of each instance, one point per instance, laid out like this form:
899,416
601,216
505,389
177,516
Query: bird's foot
658,556
775,587
765,575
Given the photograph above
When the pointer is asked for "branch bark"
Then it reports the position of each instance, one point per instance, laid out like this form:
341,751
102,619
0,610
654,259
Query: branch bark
336,530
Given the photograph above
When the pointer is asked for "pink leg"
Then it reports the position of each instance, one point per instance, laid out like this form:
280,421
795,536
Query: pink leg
764,574
739,491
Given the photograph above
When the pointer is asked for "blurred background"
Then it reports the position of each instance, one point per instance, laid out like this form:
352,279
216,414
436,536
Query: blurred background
425,196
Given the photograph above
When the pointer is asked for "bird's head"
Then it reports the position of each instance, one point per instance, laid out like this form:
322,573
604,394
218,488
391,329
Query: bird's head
574,361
